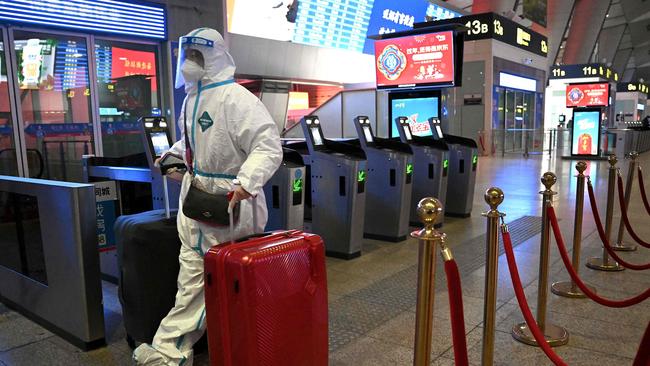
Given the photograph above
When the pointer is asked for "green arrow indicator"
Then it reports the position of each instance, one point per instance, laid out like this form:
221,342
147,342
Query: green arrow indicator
445,163
297,185
475,159
409,168
361,176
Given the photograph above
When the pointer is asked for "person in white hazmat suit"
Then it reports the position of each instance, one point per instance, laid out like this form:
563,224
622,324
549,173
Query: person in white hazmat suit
233,137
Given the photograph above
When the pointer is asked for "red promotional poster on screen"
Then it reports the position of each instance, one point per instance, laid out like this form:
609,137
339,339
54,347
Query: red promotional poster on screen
415,60
126,62
587,95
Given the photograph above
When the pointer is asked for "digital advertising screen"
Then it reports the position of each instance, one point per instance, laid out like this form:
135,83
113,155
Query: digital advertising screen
36,58
417,110
585,139
587,95
126,62
418,60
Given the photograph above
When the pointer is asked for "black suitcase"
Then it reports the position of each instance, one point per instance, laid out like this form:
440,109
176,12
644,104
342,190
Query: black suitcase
147,253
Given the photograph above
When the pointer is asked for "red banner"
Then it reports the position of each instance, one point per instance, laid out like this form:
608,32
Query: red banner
419,59
587,95
129,62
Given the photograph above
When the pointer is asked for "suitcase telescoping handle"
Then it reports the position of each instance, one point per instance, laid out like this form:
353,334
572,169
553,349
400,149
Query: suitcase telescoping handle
230,214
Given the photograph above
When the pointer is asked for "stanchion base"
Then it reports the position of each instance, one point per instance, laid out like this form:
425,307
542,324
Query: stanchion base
598,264
555,336
568,289
622,247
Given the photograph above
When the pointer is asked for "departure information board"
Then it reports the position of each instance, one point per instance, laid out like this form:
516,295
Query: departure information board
333,23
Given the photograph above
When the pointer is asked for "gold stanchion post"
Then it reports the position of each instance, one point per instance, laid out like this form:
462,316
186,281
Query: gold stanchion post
619,245
555,335
493,197
569,288
428,209
605,263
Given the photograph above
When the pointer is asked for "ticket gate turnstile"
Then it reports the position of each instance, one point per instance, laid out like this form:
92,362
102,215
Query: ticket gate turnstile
390,177
430,168
285,193
337,189
463,161
139,186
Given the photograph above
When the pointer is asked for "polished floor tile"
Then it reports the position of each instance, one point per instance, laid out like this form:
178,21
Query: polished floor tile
372,298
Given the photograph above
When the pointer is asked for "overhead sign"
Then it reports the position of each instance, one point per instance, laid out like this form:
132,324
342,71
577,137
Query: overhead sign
632,87
417,60
114,16
586,132
587,95
494,26
583,71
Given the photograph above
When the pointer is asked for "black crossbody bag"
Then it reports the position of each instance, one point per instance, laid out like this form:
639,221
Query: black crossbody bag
208,208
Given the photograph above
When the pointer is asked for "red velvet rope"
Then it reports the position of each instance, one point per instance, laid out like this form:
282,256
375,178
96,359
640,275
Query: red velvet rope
574,276
456,312
523,304
621,201
603,236
643,354
642,188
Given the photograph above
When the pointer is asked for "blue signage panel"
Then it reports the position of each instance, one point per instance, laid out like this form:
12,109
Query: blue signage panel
390,16
107,16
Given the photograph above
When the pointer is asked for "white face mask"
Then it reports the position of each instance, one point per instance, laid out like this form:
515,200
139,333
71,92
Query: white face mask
192,71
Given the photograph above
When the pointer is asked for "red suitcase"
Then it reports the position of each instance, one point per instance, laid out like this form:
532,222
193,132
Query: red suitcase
266,301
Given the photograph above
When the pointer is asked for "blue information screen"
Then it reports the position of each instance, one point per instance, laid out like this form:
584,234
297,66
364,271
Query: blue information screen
418,111
586,132
335,24
343,24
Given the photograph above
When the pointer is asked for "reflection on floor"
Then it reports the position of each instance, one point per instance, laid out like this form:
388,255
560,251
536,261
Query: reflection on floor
372,311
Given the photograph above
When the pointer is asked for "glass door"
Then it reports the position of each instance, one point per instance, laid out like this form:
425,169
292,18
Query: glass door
128,88
8,156
517,118
53,94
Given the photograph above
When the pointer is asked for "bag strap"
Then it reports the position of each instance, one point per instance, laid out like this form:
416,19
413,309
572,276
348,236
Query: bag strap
189,156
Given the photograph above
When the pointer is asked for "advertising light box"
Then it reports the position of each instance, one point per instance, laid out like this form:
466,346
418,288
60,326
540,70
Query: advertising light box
417,110
416,60
585,139
587,95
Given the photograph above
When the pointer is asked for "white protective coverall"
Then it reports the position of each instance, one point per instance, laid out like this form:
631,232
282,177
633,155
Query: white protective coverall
232,136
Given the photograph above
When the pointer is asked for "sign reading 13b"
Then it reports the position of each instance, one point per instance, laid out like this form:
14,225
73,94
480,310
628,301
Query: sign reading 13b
476,27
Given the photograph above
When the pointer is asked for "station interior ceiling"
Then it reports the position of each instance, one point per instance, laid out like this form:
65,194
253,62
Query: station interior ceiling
612,32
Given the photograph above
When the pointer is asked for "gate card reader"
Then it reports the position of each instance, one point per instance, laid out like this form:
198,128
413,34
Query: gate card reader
390,175
157,139
337,181
463,161
285,193
430,168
